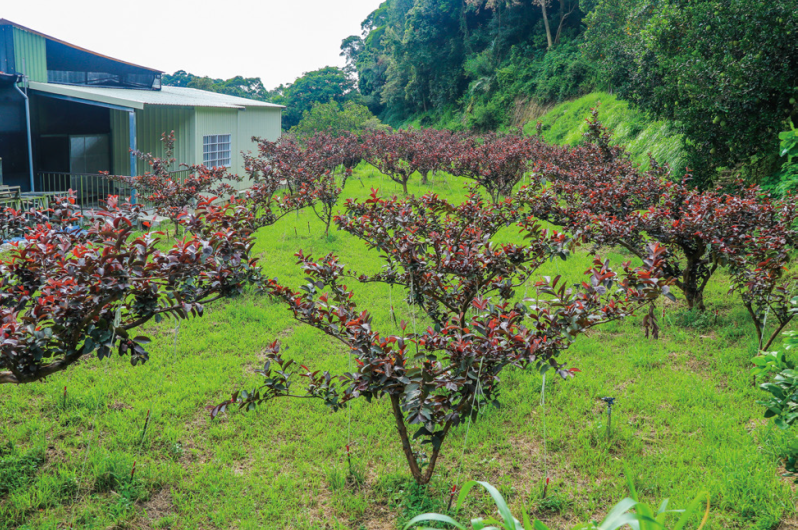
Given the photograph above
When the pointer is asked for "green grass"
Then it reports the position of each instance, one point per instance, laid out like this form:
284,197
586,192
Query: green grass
565,124
686,420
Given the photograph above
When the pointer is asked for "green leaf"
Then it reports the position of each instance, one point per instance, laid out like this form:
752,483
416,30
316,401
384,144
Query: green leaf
618,511
693,508
433,517
501,505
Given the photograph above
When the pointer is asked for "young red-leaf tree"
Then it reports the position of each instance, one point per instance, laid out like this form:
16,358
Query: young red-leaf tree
759,263
69,292
496,162
442,253
393,154
283,179
431,150
171,196
334,158
341,151
325,191
313,176
438,377
597,189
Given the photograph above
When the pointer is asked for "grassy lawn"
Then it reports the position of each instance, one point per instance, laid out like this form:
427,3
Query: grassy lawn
686,420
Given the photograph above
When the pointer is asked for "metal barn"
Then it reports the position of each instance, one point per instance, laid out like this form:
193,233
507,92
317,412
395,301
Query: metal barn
67,113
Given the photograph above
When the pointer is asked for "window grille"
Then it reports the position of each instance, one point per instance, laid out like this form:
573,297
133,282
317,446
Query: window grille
216,150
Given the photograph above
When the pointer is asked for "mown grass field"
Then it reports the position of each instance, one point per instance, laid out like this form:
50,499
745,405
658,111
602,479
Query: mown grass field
686,420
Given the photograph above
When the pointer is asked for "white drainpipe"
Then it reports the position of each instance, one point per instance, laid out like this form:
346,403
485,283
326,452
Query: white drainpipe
30,143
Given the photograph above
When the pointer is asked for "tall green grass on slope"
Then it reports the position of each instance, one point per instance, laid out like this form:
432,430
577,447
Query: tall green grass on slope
565,125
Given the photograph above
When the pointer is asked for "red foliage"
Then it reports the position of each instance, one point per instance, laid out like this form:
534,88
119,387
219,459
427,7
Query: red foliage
173,196
70,292
392,153
310,176
597,189
495,162
438,377
758,260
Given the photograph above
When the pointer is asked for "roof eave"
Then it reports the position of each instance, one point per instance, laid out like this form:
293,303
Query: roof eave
65,90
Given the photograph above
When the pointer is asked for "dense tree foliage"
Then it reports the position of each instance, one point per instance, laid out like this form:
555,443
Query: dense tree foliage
319,86
726,72
786,180
425,56
337,119
244,87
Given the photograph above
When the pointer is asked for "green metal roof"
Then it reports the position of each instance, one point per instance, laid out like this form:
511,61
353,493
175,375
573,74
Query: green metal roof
6,22
137,99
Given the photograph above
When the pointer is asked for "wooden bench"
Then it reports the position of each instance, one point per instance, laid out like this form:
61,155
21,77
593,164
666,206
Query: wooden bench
10,196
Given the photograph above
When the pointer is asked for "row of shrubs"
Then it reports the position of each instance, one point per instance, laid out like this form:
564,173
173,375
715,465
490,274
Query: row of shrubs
68,293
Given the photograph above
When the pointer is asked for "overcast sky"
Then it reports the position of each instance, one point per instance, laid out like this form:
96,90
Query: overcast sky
275,40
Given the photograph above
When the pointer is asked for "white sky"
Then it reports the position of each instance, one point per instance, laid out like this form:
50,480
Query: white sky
275,40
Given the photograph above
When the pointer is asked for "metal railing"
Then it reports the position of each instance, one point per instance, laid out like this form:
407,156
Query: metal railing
92,189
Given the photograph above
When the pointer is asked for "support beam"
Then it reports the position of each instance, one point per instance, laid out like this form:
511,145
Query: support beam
132,123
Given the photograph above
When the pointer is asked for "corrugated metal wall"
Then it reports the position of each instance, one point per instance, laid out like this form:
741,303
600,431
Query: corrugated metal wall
219,121
262,122
190,125
242,125
30,55
151,123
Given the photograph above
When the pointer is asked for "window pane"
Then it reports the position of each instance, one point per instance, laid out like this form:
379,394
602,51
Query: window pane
77,146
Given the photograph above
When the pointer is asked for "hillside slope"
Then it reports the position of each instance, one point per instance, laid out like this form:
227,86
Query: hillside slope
566,123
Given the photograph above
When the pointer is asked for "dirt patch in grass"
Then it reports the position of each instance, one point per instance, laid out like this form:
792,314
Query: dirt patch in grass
157,507
193,451
526,472
788,524
378,517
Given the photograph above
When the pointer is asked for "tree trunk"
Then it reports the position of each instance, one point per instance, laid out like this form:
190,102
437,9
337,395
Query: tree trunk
420,478
695,299
424,178
406,447
563,16
404,186
775,334
691,285
546,22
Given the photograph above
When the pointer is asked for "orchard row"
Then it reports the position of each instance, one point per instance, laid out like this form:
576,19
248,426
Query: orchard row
74,291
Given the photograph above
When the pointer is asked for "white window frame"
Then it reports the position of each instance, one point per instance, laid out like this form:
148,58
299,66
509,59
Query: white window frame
217,150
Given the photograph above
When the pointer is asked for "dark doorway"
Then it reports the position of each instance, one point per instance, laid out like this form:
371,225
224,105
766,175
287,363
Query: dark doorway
69,137
13,137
